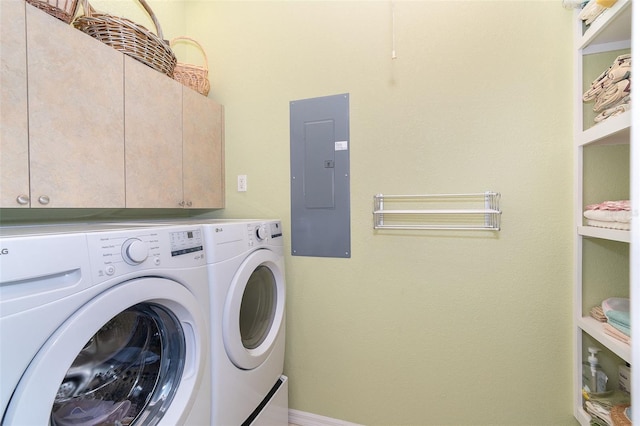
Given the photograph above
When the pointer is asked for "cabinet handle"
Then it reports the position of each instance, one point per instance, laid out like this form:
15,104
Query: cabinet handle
44,199
189,203
22,199
181,203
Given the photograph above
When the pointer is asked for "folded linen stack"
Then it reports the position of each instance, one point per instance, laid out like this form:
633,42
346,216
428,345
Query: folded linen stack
609,214
598,314
593,9
611,91
618,324
605,409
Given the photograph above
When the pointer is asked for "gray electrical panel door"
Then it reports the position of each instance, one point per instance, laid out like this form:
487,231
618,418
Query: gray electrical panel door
320,199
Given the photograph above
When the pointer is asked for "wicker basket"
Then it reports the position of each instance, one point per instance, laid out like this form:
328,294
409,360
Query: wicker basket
194,76
128,37
619,415
64,10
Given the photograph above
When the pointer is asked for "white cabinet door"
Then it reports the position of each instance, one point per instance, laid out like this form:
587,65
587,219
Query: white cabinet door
76,133
203,151
153,137
14,136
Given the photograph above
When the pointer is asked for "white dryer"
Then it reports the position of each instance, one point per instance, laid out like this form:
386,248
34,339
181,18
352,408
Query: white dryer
104,326
247,289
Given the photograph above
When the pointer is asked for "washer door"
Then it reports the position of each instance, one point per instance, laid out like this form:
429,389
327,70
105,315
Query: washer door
132,355
254,309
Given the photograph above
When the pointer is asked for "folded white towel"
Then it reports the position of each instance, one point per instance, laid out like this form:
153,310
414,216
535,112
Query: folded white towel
598,411
591,11
610,225
597,86
613,111
608,215
619,70
612,95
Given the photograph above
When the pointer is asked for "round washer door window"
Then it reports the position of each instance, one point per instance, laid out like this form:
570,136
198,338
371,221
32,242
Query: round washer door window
117,363
254,309
127,372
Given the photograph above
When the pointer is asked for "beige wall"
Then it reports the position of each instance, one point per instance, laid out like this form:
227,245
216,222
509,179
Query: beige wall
417,327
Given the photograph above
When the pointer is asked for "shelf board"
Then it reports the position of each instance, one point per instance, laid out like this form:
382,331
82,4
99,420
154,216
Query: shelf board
613,26
605,233
583,417
614,130
595,329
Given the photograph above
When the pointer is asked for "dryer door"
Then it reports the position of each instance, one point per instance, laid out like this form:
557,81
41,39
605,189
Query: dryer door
253,315
132,355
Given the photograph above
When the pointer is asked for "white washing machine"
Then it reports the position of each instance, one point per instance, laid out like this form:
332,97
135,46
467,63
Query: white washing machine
247,289
104,326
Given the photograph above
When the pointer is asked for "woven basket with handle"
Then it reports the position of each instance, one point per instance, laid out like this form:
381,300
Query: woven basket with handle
64,10
194,76
128,37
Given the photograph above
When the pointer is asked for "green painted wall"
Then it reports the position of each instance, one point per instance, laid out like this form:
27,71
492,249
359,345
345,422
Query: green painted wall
416,328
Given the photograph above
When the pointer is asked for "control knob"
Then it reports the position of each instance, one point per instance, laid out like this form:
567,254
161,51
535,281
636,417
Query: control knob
261,233
134,251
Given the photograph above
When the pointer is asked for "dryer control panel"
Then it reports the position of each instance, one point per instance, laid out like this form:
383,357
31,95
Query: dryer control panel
276,229
117,252
260,233
227,239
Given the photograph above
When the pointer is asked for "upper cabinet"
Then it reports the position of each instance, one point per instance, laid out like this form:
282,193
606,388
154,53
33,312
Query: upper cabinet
116,135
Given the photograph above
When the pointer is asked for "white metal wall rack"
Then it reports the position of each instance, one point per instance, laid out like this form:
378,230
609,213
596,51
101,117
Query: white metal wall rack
475,211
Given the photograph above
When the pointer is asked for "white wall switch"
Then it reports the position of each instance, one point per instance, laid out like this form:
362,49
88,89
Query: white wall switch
242,183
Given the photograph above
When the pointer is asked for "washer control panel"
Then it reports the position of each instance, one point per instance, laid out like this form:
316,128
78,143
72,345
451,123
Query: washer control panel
118,252
185,242
135,251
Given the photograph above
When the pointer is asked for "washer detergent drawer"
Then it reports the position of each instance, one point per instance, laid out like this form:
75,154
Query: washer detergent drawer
40,270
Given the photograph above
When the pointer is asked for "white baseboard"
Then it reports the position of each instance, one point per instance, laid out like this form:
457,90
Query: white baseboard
302,418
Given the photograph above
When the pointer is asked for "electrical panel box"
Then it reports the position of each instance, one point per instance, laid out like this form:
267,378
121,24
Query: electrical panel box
320,195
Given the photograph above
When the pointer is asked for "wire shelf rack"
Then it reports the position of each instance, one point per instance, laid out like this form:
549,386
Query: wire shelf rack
472,211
